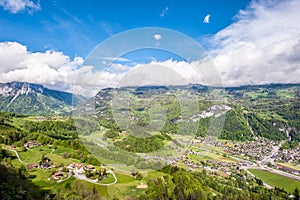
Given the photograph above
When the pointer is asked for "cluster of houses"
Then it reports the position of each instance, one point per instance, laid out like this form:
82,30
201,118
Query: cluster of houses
45,164
213,165
80,168
289,155
77,168
252,149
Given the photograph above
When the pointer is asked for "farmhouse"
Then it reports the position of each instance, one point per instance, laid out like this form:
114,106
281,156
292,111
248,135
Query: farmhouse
32,143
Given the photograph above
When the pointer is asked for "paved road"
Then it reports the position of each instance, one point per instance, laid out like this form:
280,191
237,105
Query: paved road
21,161
76,175
83,177
274,152
69,176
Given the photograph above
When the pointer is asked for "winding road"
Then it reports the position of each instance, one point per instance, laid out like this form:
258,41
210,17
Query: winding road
21,161
76,175
83,177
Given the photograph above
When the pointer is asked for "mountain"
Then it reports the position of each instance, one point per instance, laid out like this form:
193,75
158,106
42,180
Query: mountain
270,111
35,99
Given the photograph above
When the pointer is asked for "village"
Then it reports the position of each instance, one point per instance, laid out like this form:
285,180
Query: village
229,159
61,172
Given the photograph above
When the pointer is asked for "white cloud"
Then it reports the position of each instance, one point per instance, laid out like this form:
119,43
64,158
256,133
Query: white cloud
49,68
164,12
157,36
116,59
15,6
11,54
262,46
206,19
119,67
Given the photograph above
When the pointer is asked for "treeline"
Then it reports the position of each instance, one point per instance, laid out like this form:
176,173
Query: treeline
183,185
8,133
122,156
55,133
56,129
15,183
265,128
235,126
141,145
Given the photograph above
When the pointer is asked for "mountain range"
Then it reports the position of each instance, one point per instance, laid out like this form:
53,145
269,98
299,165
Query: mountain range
271,111
35,99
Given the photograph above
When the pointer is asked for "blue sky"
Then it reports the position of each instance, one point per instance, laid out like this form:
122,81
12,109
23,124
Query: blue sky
248,41
75,27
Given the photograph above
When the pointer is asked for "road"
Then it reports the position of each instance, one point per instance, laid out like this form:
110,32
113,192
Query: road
69,176
21,161
76,175
273,153
83,177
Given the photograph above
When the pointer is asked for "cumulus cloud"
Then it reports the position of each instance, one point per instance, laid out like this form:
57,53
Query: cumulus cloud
164,12
15,6
117,67
262,46
50,68
157,36
206,19
89,81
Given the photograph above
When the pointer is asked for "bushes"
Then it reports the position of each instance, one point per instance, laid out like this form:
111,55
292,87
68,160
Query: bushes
142,145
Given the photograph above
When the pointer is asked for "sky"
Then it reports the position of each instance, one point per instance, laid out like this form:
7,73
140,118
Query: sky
48,41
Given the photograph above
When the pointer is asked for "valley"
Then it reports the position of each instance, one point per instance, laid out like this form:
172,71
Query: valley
234,143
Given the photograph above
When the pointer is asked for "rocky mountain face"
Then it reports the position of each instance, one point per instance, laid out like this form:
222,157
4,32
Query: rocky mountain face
35,99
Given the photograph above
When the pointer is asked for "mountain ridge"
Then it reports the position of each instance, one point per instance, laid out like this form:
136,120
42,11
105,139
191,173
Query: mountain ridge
35,99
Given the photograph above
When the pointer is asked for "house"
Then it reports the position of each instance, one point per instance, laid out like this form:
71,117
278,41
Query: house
45,166
57,176
90,168
32,166
32,143
77,168
12,146
46,159
123,133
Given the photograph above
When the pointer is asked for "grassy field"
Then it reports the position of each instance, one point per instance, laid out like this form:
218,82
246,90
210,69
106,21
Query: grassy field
205,155
122,178
276,180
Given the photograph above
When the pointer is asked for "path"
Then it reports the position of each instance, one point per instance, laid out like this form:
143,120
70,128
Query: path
76,175
21,161
274,152
69,176
52,151
83,177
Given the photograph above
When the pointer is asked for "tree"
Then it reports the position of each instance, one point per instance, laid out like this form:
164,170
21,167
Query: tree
65,155
296,194
42,159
